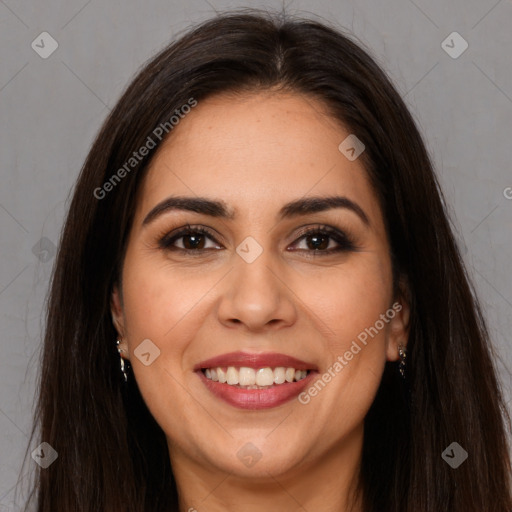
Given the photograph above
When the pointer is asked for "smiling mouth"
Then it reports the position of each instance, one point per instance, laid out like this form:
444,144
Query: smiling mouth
255,396
244,377
248,380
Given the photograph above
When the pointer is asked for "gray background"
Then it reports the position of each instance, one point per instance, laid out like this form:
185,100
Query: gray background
51,109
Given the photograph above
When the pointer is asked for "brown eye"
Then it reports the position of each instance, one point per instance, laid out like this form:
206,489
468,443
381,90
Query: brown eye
193,240
319,240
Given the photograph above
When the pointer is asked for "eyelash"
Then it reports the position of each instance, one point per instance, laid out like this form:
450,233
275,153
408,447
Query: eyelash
345,242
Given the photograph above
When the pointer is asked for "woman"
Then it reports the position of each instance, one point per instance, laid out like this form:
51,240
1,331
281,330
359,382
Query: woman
258,301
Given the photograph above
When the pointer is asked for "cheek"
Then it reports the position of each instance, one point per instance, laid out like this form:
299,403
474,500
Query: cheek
162,305
348,299
348,307
159,305
157,297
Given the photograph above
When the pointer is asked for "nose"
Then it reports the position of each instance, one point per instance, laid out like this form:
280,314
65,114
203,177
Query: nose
255,295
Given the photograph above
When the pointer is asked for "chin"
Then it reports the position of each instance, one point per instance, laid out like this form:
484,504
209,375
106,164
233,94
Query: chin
257,457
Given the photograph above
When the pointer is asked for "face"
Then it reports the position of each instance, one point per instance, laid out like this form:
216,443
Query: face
264,274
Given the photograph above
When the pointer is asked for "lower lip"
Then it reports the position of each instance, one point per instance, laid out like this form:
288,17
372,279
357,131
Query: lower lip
257,398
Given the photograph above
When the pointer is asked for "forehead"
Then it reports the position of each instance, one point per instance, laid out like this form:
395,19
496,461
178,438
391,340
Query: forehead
256,152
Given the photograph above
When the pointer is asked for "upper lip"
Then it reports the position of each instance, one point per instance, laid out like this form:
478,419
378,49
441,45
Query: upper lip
262,360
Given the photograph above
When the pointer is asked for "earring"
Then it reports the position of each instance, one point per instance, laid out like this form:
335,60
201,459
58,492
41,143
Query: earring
123,369
402,352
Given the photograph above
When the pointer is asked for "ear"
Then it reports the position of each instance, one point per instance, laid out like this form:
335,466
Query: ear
116,309
399,325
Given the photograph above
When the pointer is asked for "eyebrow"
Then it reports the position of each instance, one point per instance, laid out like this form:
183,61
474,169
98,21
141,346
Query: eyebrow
219,209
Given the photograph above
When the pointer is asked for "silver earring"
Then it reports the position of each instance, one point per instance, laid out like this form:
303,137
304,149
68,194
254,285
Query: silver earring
402,352
123,370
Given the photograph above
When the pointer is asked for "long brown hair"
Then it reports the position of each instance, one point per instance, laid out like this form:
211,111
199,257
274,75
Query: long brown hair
112,454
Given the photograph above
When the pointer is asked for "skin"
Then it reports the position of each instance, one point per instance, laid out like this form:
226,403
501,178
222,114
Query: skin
257,152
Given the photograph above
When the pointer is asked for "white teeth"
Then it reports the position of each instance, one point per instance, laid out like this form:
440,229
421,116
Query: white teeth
232,375
250,378
247,376
279,375
265,377
221,374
